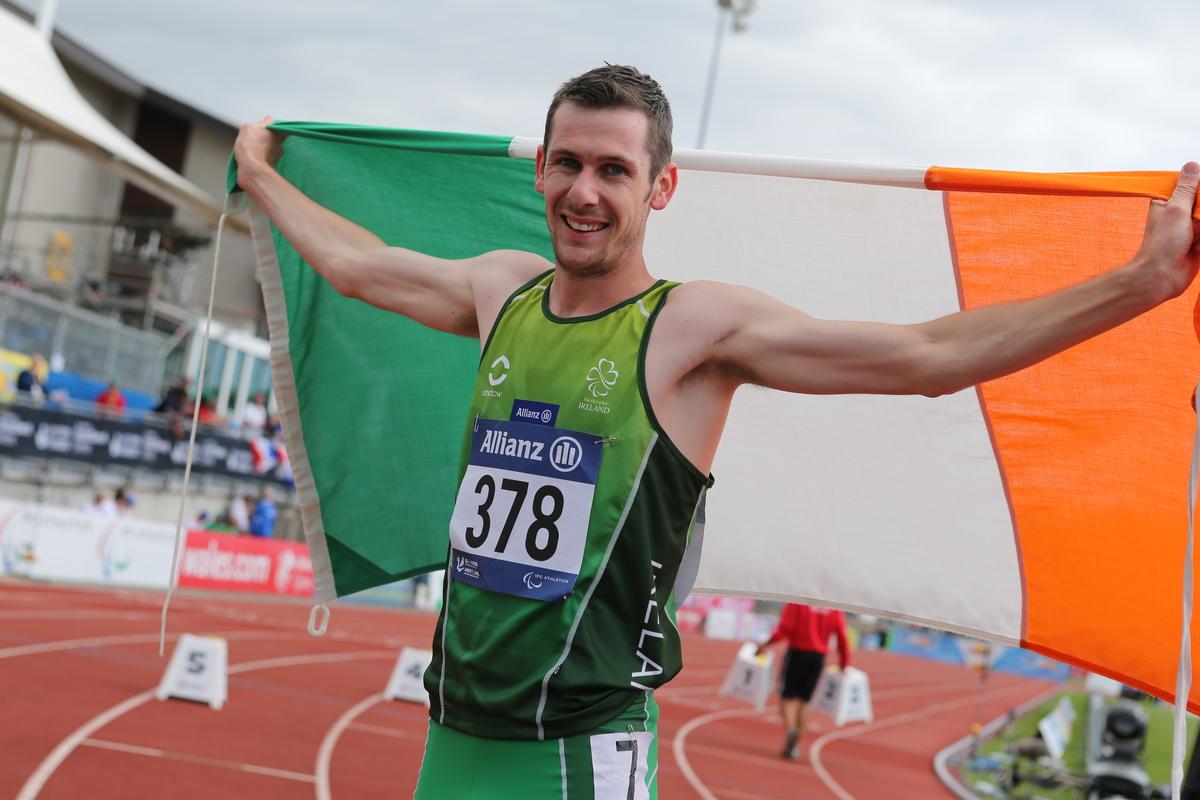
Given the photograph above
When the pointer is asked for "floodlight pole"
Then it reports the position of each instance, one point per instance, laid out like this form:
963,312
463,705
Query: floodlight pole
729,13
724,9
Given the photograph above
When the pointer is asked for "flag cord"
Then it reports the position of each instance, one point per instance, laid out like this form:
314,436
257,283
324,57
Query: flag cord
187,468
1183,675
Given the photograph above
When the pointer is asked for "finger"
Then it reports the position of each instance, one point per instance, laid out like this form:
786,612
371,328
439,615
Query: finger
1185,188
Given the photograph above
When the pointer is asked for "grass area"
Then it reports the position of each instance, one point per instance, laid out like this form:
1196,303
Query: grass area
1157,755
1158,741
1024,727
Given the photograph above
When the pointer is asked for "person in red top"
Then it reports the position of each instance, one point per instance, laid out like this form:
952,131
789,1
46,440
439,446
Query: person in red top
807,631
111,402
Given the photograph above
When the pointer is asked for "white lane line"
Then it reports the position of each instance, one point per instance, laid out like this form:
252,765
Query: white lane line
201,760
38,779
395,733
814,755
325,753
742,757
33,786
80,614
681,735
132,638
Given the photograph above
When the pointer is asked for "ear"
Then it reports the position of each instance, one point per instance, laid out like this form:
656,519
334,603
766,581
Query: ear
664,186
539,180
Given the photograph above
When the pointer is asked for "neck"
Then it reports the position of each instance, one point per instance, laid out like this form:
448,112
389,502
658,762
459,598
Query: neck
581,295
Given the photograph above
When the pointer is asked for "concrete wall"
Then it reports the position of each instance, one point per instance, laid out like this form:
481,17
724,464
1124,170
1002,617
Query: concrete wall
238,299
62,181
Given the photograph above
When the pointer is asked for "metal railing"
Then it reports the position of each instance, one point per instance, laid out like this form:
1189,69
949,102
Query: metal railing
81,342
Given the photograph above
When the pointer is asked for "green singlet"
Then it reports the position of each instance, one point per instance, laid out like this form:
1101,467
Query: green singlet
573,516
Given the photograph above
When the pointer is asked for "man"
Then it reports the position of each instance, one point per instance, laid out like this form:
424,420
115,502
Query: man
31,381
262,519
239,512
542,678
806,631
174,404
111,402
254,416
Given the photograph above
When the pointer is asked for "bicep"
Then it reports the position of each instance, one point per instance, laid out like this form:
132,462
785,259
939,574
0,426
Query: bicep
435,292
772,344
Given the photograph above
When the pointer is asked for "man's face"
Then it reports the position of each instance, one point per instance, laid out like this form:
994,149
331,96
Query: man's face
595,175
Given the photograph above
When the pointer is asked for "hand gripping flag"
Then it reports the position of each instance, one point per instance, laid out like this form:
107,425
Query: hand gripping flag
1047,509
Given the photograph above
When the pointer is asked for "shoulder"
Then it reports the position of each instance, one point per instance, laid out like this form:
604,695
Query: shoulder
504,271
710,311
724,300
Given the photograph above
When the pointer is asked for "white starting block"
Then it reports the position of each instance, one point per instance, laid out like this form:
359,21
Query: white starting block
406,682
749,678
845,695
198,671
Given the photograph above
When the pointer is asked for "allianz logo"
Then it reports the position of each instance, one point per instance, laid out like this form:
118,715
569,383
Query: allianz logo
565,452
531,413
499,443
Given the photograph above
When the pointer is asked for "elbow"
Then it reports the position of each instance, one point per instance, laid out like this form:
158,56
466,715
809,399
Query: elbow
340,273
938,384
936,371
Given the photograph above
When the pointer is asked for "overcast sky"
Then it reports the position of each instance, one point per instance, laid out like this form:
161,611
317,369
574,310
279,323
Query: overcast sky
1016,84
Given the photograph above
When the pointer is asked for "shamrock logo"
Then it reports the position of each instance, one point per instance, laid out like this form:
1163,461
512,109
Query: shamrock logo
602,377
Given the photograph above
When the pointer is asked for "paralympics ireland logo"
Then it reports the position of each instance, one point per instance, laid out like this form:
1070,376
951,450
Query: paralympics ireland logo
602,377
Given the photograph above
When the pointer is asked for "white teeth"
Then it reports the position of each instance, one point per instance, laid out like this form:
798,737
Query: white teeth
581,227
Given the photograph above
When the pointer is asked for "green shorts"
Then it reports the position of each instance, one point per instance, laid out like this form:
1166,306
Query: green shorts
617,761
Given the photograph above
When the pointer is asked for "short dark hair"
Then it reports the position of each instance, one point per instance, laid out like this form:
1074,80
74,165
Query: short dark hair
617,86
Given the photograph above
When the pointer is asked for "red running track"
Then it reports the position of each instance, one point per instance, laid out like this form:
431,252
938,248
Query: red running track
304,719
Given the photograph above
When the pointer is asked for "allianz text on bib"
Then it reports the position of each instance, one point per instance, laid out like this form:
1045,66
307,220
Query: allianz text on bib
521,516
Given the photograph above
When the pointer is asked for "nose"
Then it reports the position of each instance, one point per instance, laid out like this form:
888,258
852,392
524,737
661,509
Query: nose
583,192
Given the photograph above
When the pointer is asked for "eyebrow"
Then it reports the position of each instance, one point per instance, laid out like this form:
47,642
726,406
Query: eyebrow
562,152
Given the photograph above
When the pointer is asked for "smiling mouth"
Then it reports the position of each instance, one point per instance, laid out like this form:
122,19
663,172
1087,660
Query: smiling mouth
584,227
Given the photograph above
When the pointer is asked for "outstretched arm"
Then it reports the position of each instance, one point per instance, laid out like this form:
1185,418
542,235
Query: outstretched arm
447,295
765,342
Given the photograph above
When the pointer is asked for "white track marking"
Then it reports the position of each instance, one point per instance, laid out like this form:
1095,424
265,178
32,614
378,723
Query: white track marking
681,735
324,658
88,614
744,758
381,730
154,752
814,755
33,786
325,752
132,638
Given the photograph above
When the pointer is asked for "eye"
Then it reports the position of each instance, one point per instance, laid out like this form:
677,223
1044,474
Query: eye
567,163
614,170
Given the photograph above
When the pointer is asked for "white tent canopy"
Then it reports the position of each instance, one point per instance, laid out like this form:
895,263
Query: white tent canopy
36,91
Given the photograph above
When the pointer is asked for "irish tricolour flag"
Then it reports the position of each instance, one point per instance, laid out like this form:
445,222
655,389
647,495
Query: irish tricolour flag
1046,509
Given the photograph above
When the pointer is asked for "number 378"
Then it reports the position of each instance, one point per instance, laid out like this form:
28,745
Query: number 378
541,538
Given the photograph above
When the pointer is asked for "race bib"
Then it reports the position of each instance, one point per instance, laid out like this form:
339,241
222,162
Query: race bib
521,516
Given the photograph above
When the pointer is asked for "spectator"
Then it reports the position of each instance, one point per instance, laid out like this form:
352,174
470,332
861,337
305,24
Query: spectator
174,405
111,402
102,506
262,521
31,381
208,412
239,513
254,416
175,399
124,502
